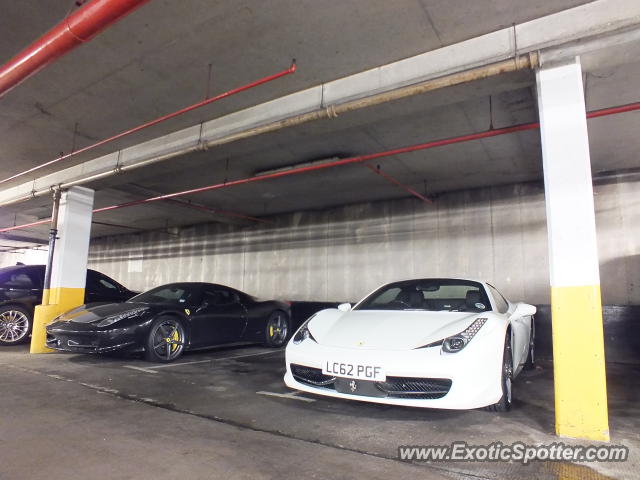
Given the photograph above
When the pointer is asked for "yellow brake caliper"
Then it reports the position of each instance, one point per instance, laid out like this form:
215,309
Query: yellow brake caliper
176,338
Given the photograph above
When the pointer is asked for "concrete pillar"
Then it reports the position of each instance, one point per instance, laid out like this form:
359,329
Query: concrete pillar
69,271
578,347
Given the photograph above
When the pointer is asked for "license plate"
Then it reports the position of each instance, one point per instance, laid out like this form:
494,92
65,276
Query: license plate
354,370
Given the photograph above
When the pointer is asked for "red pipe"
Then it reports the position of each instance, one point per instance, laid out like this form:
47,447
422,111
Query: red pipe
603,112
346,161
322,166
26,225
218,211
197,207
163,118
76,29
395,181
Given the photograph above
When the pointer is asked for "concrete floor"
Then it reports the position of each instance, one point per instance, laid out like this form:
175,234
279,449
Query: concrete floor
222,413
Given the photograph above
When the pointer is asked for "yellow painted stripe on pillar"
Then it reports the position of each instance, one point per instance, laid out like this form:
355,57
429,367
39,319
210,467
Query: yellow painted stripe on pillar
579,368
61,299
66,298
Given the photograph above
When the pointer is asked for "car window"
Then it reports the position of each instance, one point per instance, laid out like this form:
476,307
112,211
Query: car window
99,283
173,294
21,278
105,283
17,280
219,297
501,303
429,294
386,297
450,291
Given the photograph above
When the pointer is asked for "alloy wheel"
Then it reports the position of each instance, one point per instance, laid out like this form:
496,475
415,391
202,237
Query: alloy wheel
168,339
278,329
14,326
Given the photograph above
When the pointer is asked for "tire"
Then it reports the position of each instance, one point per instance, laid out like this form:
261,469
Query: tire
504,404
15,325
165,341
277,329
530,364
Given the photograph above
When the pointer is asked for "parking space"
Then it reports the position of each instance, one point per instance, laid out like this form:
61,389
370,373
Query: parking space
243,387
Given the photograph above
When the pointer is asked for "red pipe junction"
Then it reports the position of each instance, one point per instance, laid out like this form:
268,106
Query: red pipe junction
395,181
346,161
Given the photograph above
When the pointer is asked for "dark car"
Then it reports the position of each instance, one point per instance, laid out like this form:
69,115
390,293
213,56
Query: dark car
21,290
167,320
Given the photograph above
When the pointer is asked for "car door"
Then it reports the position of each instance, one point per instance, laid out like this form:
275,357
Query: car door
220,319
101,288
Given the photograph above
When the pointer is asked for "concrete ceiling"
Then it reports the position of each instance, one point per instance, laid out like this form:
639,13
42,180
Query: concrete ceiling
156,61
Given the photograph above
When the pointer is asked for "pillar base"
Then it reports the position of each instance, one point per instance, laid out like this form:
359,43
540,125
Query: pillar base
61,300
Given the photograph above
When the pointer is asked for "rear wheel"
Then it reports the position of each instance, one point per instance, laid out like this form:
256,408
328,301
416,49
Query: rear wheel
15,325
165,341
504,404
277,330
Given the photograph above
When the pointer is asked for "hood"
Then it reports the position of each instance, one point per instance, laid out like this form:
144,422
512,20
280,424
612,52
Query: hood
388,330
96,312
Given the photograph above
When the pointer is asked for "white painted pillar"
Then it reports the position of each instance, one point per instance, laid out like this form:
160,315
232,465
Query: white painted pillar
578,347
69,271
72,247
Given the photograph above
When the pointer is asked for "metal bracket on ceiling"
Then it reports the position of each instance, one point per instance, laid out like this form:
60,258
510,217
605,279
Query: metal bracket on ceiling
118,168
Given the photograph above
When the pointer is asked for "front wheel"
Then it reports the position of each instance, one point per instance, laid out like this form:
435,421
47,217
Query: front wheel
165,341
15,325
277,330
504,404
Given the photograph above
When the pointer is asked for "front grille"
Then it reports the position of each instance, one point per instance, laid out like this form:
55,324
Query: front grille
415,387
311,376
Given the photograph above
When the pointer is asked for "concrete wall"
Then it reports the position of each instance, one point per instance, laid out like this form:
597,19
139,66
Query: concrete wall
497,234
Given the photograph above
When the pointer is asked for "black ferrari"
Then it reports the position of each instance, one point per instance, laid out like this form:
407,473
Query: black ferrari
167,320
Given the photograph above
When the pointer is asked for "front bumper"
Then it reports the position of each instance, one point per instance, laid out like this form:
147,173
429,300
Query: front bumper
423,377
92,341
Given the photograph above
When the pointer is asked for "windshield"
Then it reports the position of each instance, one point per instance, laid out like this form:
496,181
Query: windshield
433,294
175,294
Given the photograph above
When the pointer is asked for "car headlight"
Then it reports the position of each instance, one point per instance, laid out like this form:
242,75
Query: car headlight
457,342
303,333
110,320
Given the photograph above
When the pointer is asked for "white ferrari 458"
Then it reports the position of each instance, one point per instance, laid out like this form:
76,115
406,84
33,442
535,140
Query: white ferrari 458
435,343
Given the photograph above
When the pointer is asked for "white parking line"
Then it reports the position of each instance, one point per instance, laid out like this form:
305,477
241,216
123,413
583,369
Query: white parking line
152,369
167,365
141,369
264,352
291,395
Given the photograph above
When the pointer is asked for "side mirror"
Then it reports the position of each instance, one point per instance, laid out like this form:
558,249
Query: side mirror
523,310
344,307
